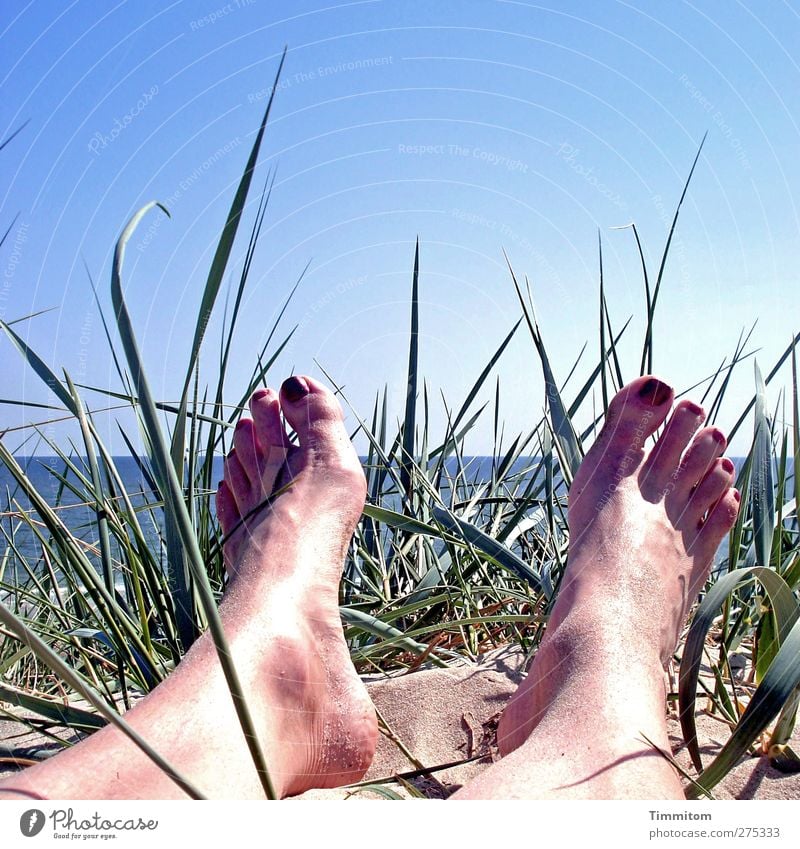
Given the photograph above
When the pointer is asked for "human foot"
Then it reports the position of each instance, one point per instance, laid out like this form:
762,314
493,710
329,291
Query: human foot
284,562
644,527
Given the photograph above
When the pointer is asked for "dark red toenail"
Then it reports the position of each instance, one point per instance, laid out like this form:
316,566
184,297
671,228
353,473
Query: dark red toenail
694,409
655,393
719,436
259,394
728,466
294,388
737,495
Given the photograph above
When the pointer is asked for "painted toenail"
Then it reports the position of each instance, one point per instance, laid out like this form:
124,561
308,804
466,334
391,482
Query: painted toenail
737,495
719,436
655,393
728,466
694,409
294,388
260,393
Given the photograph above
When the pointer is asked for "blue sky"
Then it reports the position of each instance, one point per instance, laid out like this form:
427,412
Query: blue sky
477,126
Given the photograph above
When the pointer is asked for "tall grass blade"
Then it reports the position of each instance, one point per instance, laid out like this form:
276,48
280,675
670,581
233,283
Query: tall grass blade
54,662
786,612
410,416
647,349
562,425
175,505
762,490
774,691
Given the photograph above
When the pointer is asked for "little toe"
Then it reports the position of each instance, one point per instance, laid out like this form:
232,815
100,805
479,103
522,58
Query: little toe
706,448
708,492
664,460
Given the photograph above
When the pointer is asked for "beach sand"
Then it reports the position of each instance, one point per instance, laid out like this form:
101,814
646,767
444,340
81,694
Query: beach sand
445,716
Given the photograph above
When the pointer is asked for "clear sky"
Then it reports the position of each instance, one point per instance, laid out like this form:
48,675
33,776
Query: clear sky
477,126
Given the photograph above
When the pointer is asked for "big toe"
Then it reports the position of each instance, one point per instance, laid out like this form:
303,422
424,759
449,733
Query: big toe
633,415
316,417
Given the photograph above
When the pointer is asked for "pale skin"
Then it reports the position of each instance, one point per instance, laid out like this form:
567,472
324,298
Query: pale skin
644,528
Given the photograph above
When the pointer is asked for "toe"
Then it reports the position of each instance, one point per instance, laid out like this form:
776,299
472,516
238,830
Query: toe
229,517
664,460
705,449
237,482
633,415
248,450
272,443
316,416
265,408
313,413
719,521
227,512
713,486
635,412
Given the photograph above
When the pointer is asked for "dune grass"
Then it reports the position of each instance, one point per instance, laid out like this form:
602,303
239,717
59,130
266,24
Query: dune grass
448,560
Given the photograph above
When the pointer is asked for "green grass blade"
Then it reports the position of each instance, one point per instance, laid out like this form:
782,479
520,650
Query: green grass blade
366,622
175,505
410,416
56,712
63,670
496,551
772,694
562,426
762,490
786,611
647,350
41,369
225,245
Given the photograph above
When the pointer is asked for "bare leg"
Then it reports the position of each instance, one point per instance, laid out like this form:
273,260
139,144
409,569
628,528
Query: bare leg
281,616
643,531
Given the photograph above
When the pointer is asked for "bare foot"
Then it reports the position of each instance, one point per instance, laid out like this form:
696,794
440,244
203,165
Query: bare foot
280,613
285,563
644,527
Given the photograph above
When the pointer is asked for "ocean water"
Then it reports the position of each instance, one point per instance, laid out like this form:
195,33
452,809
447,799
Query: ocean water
52,480
46,474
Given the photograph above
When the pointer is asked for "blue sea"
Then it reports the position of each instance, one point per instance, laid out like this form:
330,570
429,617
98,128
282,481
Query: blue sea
52,480
48,476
